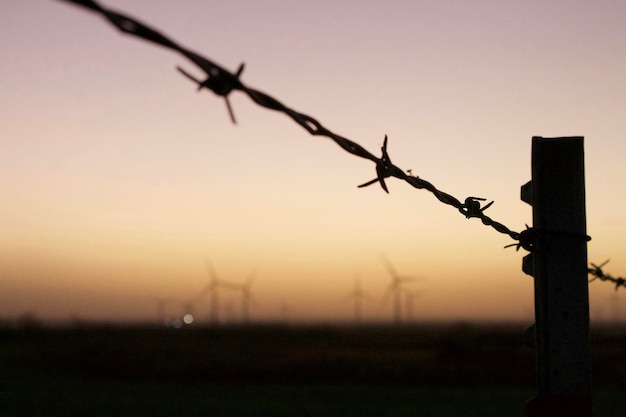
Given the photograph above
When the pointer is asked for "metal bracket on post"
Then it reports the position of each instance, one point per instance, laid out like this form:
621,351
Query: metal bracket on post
559,266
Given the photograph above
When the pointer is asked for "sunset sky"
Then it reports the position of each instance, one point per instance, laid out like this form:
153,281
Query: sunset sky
118,180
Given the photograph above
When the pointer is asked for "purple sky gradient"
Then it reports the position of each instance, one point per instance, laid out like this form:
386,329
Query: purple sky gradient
118,179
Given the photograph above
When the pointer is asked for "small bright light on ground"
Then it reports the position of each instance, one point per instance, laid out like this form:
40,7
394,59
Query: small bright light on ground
188,319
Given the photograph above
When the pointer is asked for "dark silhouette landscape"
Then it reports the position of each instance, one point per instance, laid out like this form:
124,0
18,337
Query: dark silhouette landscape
285,370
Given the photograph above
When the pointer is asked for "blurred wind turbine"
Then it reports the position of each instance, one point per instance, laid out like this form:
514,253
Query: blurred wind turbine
394,289
357,295
213,287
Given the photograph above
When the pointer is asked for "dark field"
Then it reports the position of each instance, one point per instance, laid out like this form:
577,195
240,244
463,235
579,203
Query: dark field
421,370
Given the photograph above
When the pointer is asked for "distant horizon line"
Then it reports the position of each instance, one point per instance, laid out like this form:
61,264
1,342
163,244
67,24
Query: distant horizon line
35,322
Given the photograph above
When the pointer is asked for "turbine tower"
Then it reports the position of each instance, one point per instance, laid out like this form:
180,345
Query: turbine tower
357,295
213,288
409,299
394,289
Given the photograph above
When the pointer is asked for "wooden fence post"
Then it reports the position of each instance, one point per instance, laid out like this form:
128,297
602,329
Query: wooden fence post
559,266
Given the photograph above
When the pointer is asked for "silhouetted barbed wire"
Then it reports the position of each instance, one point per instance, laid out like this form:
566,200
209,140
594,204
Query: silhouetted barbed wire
222,82
597,273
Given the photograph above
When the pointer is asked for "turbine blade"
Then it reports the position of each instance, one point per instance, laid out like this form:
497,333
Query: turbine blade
392,271
211,271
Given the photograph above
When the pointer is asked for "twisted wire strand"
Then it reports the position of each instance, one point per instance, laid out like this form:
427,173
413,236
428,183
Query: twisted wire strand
597,273
222,82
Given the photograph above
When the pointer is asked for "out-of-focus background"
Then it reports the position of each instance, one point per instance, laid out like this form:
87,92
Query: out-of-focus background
118,181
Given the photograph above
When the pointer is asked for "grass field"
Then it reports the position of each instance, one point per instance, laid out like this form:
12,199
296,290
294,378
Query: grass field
452,370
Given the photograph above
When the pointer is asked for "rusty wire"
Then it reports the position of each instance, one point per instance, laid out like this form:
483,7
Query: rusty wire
597,273
222,83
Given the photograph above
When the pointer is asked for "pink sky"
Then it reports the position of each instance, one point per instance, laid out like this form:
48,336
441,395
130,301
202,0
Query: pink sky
118,180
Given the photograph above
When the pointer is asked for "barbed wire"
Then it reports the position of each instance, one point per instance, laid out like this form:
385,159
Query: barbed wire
597,273
223,83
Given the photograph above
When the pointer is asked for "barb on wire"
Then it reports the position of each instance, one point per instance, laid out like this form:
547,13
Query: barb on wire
527,239
597,273
472,207
220,87
384,169
223,82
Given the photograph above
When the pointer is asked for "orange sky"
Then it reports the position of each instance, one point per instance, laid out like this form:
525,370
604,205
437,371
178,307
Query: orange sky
118,180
